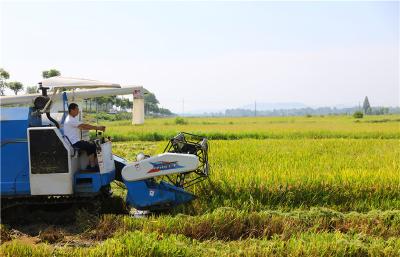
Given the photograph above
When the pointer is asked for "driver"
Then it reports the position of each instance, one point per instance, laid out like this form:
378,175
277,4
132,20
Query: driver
72,129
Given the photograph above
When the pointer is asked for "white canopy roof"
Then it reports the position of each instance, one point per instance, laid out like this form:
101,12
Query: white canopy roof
81,94
63,82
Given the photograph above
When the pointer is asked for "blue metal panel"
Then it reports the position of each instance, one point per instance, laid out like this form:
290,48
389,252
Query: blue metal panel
13,129
87,182
15,169
144,195
14,151
107,178
92,182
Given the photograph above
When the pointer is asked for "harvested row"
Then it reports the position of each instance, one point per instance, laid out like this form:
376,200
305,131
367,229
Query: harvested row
230,224
138,243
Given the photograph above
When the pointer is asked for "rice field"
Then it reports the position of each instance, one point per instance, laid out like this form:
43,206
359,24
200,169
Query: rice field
254,175
377,127
287,186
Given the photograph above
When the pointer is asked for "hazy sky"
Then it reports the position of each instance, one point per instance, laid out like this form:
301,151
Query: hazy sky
212,55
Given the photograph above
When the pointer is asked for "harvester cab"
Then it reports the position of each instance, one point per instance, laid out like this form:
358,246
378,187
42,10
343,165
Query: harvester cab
40,165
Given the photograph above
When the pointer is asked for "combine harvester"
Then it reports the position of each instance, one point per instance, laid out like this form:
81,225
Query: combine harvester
40,166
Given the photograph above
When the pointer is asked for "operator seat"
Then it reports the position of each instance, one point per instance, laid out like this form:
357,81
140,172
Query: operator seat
75,149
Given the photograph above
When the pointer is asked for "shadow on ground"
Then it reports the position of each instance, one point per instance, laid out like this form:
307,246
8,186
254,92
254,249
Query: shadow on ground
72,224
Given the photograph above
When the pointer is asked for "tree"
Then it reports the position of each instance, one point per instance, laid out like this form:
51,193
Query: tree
150,98
15,86
4,75
358,115
380,110
104,103
31,90
50,73
164,111
126,103
366,106
150,103
123,103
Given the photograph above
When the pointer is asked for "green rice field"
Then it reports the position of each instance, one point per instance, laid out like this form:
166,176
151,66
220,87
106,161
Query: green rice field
279,186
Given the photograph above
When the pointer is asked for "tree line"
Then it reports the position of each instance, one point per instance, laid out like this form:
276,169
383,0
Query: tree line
357,112
17,86
14,85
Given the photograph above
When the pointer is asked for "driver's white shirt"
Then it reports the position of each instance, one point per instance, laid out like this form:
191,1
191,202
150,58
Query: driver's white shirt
71,129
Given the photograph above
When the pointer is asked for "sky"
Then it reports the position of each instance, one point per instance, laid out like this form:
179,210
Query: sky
209,56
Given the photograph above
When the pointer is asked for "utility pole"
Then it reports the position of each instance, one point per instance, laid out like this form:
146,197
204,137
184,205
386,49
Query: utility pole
255,108
183,107
97,112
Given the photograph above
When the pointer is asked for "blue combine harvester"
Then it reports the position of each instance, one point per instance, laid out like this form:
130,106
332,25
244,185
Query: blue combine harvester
39,164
